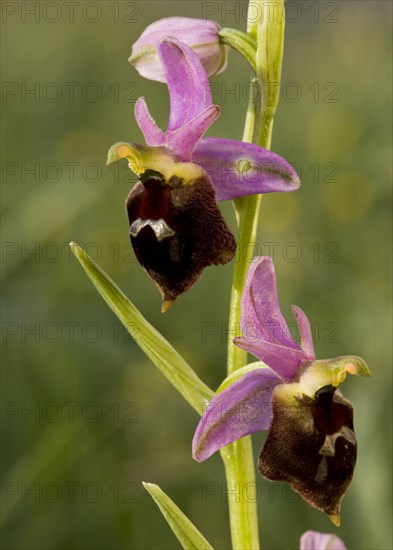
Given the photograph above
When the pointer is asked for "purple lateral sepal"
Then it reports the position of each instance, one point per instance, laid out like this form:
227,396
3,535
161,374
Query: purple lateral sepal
238,168
241,409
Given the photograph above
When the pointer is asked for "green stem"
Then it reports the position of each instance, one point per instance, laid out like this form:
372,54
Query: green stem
238,457
241,42
241,490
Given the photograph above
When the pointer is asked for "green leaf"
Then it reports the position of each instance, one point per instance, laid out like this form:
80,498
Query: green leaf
186,532
163,355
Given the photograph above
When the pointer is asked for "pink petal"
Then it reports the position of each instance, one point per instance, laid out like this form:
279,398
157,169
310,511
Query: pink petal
183,141
153,135
306,342
283,360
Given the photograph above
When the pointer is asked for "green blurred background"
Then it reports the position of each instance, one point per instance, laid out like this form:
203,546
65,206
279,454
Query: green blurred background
86,417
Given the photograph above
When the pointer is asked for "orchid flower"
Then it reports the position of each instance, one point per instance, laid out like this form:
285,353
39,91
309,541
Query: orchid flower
176,228
312,540
311,442
199,34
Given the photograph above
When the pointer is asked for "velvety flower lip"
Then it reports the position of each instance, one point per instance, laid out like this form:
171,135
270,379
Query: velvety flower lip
312,540
200,35
311,442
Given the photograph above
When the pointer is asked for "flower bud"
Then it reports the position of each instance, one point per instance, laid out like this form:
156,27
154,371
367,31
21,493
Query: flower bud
201,36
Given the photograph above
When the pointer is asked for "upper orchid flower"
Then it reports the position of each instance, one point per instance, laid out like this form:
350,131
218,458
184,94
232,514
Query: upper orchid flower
176,228
311,443
201,35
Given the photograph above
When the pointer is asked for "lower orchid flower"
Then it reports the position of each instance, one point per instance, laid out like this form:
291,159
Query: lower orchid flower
176,228
311,442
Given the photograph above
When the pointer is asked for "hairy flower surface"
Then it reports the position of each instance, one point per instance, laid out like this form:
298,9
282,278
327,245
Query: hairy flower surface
200,35
311,442
176,228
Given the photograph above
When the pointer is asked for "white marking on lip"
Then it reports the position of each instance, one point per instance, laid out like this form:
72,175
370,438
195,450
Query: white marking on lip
329,446
160,227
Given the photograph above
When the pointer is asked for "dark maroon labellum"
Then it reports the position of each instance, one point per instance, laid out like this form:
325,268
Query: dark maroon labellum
312,445
176,231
